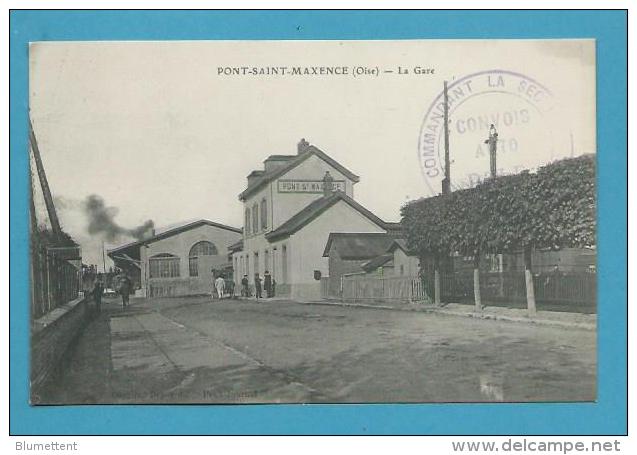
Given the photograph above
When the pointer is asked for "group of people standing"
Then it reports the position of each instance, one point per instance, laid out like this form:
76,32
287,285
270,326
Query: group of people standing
267,283
123,286
222,287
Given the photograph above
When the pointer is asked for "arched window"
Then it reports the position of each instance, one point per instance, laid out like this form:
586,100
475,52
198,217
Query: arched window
264,214
203,248
247,222
163,265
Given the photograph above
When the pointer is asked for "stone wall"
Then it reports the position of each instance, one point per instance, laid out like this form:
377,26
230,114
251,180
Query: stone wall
51,336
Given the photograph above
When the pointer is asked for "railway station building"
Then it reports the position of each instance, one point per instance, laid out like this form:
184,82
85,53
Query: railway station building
177,261
291,206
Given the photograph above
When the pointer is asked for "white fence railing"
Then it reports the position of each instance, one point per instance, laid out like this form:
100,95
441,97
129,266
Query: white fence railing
407,289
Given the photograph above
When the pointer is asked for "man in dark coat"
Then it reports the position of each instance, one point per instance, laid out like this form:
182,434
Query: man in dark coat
230,288
267,284
98,290
257,286
125,287
245,290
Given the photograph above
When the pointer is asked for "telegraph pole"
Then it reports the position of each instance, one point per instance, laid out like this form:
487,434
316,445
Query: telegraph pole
103,259
493,149
446,189
446,183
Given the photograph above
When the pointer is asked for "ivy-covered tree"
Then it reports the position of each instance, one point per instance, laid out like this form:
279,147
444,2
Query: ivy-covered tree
552,208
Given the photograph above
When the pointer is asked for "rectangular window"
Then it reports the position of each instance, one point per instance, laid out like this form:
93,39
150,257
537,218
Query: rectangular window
247,222
264,214
256,263
266,261
275,266
164,267
255,219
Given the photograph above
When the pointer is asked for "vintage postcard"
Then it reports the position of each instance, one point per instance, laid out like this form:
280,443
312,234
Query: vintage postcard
406,221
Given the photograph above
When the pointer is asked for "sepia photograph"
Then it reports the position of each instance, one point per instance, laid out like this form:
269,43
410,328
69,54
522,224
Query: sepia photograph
338,221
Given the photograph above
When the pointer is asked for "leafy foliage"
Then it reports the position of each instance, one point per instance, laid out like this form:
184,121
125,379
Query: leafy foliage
552,208
45,237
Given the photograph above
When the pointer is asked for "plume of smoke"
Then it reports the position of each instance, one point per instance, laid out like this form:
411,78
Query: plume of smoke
101,221
142,231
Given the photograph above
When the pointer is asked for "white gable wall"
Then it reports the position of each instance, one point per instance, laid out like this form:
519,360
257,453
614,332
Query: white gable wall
288,204
305,250
281,207
407,264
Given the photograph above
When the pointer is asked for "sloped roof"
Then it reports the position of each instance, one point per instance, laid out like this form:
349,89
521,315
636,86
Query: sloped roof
295,160
394,228
280,157
237,246
378,261
311,211
359,245
165,233
402,244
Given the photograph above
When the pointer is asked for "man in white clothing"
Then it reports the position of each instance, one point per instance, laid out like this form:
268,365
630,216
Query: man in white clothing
220,284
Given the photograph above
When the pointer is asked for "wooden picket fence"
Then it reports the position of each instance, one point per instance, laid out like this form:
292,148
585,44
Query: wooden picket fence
403,289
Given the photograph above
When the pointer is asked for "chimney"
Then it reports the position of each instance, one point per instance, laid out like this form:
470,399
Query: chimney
276,161
254,176
328,184
302,146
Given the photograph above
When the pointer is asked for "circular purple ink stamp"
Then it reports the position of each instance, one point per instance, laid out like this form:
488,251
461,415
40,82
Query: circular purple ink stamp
520,108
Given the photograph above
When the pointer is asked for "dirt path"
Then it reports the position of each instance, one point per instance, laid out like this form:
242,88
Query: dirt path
195,351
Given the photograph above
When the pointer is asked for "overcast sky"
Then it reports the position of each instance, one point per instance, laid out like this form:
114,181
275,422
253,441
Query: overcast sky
155,130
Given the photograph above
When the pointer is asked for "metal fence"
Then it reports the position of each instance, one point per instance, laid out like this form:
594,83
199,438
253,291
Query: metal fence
54,281
573,291
494,287
503,287
405,289
568,290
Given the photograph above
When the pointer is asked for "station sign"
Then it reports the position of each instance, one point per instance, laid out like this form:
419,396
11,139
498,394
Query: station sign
307,186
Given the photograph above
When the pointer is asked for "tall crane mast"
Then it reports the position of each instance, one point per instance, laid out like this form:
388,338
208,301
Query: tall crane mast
46,191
